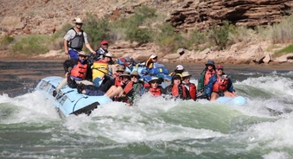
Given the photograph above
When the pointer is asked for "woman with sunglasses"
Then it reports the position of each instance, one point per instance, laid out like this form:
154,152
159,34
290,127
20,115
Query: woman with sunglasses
153,86
131,91
220,85
176,89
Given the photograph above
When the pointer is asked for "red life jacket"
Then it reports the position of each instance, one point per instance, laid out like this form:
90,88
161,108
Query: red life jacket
156,91
207,76
175,91
192,90
117,81
128,87
79,70
221,84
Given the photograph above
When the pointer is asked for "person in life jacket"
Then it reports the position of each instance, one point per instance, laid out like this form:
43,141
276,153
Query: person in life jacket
176,89
74,40
118,89
101,68
189,86
220,85
204,78
131,91
100,52
153,86
178,70
104,85
77,74
154,68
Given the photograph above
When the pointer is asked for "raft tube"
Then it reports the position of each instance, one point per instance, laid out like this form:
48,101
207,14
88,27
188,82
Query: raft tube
238,101
69,101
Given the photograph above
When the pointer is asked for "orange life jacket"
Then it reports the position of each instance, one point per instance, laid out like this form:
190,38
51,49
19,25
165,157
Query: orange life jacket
175,91
79,70
156,91
192,90
207,76
220,84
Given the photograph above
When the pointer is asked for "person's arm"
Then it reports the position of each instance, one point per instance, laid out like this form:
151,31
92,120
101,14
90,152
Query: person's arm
230,86
65,46
210,85
87,43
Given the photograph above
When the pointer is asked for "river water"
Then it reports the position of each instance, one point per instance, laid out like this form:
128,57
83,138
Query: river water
31,128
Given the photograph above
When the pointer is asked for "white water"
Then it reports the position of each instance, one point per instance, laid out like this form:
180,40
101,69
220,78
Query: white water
156,128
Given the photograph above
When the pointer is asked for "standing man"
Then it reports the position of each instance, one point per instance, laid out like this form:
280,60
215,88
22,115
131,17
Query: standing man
74,40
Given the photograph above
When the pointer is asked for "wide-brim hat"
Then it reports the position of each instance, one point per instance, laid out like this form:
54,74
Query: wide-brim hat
135,73
210,62
153,56
82,53
77,20
154,79
186,74
125,74
120,68
108,55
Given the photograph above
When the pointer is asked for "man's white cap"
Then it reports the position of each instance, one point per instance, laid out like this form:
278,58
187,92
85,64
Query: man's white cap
153,56
78,20
179,67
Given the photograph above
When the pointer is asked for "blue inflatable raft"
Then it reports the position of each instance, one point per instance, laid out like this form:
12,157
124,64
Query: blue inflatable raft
238,101
69,101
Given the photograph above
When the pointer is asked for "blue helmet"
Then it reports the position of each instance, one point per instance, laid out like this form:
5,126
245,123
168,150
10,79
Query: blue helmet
210,62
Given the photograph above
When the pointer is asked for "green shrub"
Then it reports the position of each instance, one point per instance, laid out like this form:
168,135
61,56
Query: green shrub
167,38
96,29
31,45
139,35
5,42
219,34
286,50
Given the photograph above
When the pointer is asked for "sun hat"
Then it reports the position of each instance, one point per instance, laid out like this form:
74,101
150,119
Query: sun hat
219,67
77,20
179,67
120,68
125,74
135,73
82,53
153,56
153,79
186,74
210,62
108,55
104,42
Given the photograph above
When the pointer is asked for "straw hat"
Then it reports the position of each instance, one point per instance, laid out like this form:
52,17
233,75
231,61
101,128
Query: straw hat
186,74
120,68
125,74
82,53
135,73
77,20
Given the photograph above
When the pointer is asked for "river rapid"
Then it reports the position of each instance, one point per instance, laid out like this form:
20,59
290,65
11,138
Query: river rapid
30,127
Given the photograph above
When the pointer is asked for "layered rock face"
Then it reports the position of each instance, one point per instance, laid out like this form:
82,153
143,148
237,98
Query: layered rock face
251,13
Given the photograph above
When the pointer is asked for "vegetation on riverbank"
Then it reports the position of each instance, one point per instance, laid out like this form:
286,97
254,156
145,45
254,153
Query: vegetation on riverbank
145,26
